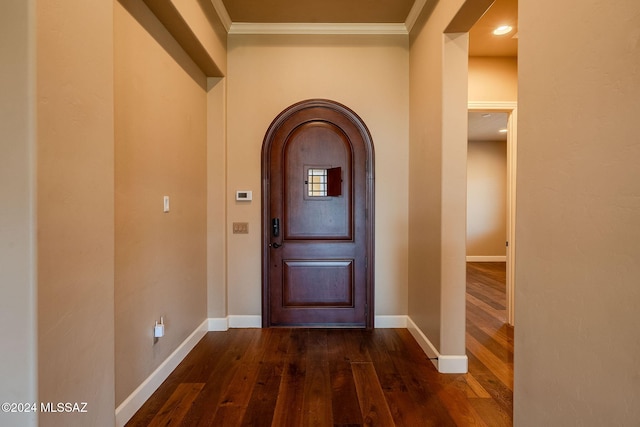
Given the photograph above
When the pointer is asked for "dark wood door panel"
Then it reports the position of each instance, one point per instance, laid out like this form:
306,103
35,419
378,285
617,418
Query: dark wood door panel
332,284
318,187
324,317
317,146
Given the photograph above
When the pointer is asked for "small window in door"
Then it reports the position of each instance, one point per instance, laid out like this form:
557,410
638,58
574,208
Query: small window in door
324,182
317,183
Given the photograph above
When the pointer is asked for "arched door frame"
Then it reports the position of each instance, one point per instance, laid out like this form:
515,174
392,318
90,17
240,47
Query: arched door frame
370,197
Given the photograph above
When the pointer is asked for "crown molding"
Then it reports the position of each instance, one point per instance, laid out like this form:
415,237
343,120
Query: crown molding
222,13
317,28
413,15
492,105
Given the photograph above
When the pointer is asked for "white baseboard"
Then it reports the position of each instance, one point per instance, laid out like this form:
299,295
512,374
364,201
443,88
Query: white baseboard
245,321
486,258
218,323
424,343
445,364
225,323
453,364
131,404
390,322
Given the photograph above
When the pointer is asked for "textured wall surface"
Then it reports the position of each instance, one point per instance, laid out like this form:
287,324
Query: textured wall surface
577,270
75,193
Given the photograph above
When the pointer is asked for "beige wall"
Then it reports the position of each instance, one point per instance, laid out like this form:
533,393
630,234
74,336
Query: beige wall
17,229
437,171
160,149
486,198
75,193
578,211
369,74
493,79
216,198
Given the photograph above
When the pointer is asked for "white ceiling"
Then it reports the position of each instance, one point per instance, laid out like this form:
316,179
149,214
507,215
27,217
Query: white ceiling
485,126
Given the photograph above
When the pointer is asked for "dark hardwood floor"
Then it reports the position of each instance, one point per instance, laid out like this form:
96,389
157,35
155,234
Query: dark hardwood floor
339,377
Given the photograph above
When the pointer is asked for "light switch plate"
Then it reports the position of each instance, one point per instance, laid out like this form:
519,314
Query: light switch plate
240,228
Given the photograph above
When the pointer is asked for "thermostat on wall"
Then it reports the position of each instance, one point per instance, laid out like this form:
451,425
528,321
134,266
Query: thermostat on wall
243,195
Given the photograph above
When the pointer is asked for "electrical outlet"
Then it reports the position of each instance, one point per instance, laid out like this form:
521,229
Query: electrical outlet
158,329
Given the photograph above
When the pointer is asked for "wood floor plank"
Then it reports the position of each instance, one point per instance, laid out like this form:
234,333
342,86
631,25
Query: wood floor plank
491,274
177,406
482,308
379,349
422,382
450,400
235,400
462,411
262,403
404,410
355,344
491,413
289,405
485,316
205,358
503,335
475,388
344,347
502,370
496,329
500,393
317,404
486,298
209,347
488,341
488,291
204,409
229,416
375,411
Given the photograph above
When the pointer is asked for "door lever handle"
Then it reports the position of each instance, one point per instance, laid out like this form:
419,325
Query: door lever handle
274,245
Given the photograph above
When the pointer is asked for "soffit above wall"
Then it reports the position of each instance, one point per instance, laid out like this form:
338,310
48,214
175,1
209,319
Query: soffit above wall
360,17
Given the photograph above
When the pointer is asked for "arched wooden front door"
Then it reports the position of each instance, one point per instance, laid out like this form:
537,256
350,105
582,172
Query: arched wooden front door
318,201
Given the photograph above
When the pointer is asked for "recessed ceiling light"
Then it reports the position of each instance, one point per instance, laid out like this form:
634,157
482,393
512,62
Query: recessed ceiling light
503,131
502,30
